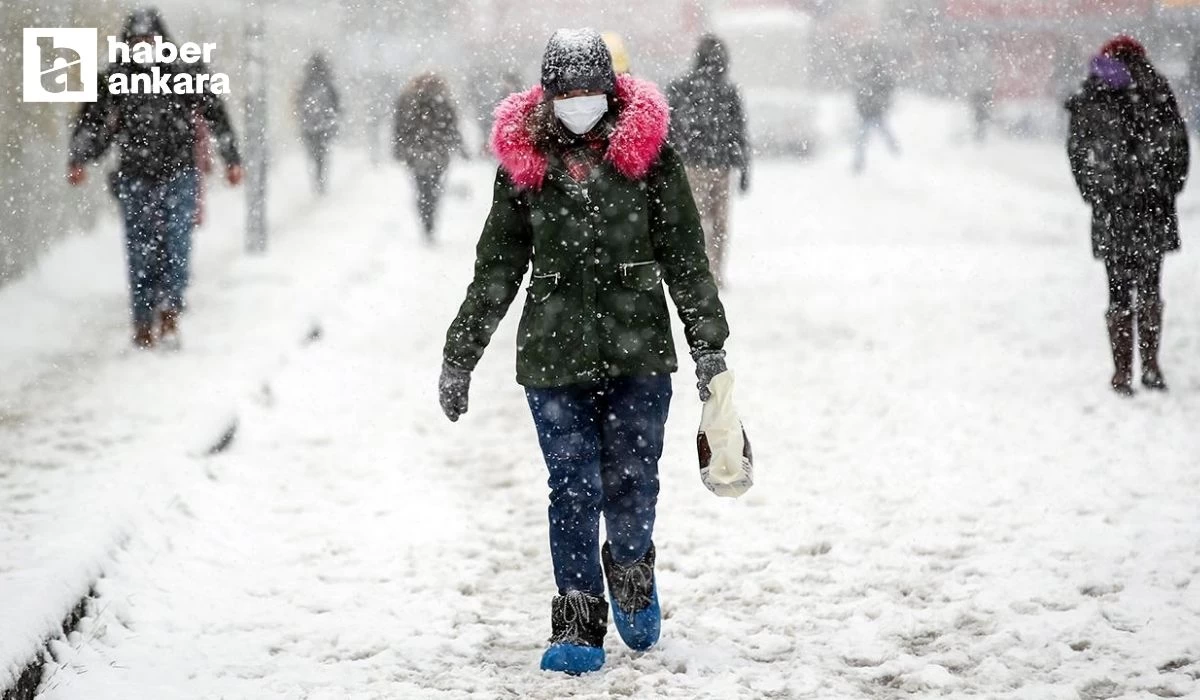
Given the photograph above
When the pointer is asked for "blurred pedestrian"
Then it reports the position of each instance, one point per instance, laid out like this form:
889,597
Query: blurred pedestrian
708,128
487,88
979,84
426,135
589,192
156,178
1128,149
873,99
318,108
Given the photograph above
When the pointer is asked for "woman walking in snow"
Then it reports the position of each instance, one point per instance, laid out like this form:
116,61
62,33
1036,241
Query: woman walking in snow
589,192
1129,153
426,136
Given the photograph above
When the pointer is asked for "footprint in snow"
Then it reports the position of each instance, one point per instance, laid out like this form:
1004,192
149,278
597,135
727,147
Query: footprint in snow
1097,590
1174,665
1102,689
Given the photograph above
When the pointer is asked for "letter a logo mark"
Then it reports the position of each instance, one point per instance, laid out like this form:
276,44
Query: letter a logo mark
59,65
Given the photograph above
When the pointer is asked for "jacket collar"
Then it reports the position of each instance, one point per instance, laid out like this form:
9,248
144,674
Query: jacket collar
634,145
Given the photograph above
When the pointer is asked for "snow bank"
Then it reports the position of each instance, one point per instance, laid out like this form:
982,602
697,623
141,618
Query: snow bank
92,433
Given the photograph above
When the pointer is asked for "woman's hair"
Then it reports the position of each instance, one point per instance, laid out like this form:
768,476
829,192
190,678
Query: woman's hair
549,135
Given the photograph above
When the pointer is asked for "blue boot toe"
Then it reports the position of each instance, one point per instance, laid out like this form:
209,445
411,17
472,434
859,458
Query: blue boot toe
639,630
573,659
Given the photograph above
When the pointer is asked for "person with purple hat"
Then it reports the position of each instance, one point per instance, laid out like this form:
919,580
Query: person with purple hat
1129,154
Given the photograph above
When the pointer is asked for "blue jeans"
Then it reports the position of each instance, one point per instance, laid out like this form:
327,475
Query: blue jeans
865,127
602,443
159,218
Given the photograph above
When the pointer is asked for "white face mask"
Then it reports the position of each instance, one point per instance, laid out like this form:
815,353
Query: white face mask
580,114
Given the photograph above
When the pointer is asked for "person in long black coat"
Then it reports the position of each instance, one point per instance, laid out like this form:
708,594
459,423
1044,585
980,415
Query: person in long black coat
1129,153
318,107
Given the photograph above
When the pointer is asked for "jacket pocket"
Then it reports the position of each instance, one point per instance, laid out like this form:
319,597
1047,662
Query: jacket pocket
542,285
642,276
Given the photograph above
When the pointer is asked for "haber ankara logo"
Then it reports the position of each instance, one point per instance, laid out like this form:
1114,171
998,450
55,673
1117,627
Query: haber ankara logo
59,64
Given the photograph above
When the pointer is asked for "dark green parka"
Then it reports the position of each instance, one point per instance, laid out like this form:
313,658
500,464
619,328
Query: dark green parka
601,250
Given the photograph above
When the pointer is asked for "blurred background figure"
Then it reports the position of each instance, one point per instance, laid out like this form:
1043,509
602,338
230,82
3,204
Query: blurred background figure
874,86
426,136
1129,153
484,89
708,130
155,182
979,87
318,108
620,54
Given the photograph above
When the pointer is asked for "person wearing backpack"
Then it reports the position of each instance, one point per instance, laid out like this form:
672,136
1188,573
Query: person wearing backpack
589,192
1129,153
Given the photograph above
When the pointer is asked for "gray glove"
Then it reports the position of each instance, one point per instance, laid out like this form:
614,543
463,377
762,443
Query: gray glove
453,386
709,363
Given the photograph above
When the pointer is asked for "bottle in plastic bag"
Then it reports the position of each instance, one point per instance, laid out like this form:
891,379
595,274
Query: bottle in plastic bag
726,461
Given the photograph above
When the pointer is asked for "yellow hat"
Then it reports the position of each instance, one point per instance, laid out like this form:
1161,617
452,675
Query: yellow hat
616,47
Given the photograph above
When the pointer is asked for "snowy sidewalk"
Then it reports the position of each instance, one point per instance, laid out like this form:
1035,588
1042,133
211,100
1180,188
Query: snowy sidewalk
951,502
92,433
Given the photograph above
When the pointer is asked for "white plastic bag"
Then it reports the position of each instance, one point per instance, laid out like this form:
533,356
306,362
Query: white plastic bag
726,462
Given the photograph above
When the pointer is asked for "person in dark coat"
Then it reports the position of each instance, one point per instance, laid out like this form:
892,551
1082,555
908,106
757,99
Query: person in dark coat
426,135
318,108
591,195
873,99
156,177
1129,154
708,129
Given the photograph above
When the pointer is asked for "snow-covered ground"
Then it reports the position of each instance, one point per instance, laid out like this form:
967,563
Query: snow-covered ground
88,428
950,500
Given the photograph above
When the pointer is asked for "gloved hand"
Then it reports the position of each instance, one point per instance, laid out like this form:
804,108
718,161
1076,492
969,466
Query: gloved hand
76,175
709,363
744,182
453,386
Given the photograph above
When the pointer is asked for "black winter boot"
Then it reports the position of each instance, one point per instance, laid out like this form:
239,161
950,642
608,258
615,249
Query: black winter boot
1120,339
1149,335
578,622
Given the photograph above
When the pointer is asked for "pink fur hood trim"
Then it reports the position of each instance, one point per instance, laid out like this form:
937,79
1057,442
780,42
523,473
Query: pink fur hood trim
634,146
